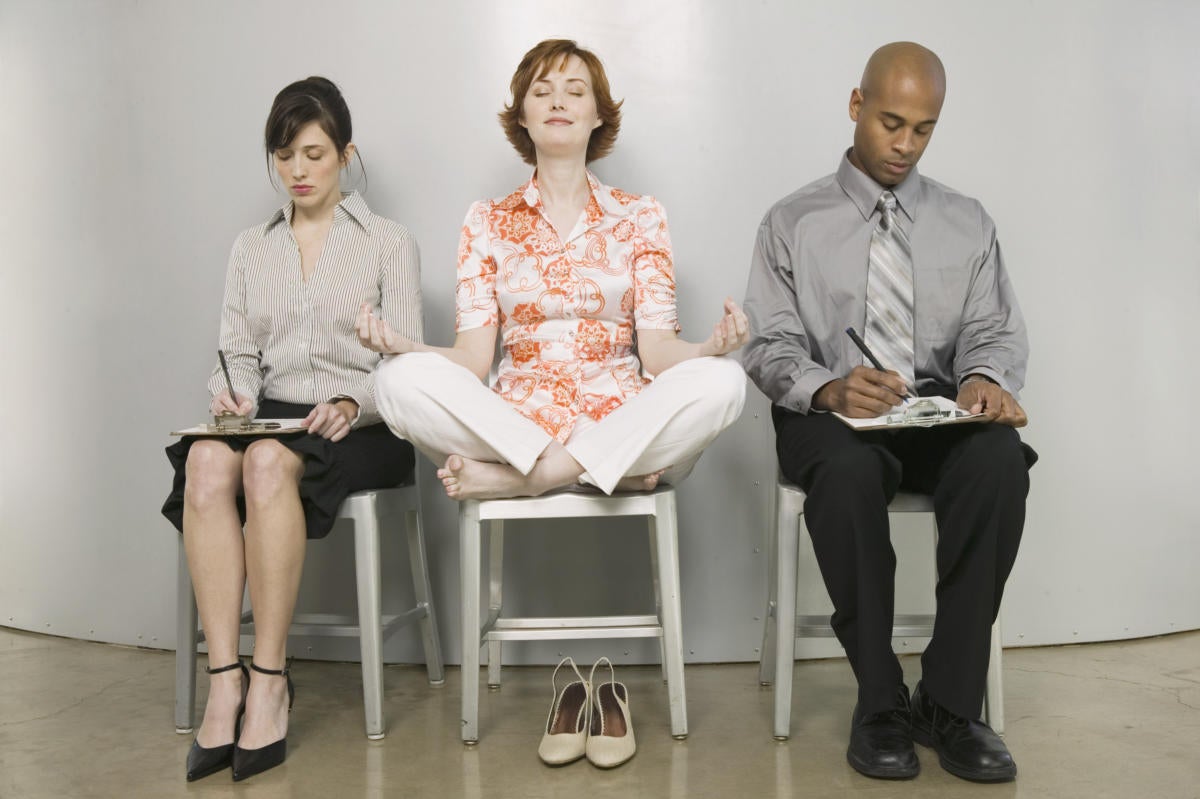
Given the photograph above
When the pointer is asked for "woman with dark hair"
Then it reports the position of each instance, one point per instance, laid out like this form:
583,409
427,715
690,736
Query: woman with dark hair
246,505
578,279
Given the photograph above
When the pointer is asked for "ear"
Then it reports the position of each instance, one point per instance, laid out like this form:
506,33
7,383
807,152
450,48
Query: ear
348,154
856,101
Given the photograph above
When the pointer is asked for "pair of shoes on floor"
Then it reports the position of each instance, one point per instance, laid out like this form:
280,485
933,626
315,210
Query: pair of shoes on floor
967,748
588,719
202,761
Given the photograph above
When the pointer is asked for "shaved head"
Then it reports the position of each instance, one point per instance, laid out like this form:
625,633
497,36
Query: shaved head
895,109
904,61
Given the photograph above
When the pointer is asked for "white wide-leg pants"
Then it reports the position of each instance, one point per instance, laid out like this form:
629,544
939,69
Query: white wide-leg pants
445,410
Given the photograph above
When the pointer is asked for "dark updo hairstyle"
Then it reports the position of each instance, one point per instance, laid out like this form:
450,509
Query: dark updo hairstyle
537,63
314,99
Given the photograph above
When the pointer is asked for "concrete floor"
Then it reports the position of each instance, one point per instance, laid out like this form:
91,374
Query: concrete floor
90,720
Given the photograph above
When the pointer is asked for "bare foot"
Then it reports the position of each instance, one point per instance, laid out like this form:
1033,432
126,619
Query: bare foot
640,482
464,478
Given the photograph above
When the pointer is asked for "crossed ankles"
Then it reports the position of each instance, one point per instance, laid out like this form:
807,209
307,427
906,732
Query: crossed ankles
881,744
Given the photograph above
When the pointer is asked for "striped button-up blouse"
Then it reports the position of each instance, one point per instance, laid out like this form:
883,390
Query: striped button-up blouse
293,340
567,308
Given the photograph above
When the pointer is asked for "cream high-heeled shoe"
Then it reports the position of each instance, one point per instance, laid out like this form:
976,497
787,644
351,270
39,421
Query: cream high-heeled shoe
610,740
565,736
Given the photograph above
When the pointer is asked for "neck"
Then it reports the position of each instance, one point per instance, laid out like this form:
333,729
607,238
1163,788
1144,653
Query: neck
317,214
562,180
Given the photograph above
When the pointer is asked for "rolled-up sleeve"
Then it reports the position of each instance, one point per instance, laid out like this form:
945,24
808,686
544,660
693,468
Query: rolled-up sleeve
777,357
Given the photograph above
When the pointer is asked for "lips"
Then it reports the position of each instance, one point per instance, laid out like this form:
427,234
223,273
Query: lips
302,189
558,121
897,166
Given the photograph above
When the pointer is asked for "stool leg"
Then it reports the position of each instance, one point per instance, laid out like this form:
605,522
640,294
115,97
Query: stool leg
185,646
766,655
787,526
495,597
469,576
994,700
662,644
419,564
667,542
370,610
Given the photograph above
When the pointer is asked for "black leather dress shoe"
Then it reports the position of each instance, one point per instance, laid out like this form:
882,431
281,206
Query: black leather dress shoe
881,744
966,748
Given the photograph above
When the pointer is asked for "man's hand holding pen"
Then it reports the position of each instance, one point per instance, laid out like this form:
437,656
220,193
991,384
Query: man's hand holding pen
864,393
979,395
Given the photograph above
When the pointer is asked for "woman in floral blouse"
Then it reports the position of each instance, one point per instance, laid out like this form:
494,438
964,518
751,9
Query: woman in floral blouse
579,280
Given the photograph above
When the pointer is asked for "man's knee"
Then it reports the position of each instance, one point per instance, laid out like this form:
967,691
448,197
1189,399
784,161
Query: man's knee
993,453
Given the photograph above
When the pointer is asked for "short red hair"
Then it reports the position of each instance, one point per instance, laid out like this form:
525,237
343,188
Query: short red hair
535,65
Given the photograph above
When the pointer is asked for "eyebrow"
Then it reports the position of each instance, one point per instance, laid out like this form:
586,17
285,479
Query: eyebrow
569,80
897,118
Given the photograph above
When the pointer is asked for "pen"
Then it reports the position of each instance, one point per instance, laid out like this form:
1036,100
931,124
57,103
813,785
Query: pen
228,382
858,342
862,345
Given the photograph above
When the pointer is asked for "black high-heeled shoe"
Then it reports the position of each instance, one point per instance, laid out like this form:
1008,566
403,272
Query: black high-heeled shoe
200,761
248,762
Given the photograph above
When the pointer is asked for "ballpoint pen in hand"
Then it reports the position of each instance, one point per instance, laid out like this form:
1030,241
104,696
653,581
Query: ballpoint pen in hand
862,345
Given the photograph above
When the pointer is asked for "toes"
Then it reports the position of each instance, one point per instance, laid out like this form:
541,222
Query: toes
454,463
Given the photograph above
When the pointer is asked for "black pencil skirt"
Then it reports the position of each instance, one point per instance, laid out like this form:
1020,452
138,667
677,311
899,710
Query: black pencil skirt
369,457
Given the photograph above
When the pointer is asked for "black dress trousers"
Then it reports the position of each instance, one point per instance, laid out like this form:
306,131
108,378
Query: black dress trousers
978,475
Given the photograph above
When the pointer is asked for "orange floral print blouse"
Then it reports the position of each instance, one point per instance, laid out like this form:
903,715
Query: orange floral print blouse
567,308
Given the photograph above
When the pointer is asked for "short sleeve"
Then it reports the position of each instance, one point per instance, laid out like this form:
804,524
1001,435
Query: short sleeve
475,292
653,270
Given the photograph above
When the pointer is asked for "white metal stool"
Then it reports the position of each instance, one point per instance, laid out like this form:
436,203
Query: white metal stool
659,508
782,624
366,511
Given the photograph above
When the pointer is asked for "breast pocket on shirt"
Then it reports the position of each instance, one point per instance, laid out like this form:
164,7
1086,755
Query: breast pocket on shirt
939,295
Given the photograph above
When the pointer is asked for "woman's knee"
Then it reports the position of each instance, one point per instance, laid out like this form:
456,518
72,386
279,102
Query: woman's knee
720,384
269,467
213,473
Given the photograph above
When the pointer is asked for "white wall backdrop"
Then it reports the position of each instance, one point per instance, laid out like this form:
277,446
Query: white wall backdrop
131,157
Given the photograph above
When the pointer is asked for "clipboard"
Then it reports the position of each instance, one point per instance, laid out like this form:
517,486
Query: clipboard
920,412
254,427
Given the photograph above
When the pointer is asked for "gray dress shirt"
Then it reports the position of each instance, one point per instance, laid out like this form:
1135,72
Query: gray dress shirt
293,340
808,283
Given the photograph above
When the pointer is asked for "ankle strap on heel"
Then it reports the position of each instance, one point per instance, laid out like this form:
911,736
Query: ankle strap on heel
285,671
237,664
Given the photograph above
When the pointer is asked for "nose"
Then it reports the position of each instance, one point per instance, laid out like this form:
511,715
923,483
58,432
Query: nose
557,101
298,168
904,142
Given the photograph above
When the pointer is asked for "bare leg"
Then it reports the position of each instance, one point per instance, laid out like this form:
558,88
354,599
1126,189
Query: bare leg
275,544
465,478
212,536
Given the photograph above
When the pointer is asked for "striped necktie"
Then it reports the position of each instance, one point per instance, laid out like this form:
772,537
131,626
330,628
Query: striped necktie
889,329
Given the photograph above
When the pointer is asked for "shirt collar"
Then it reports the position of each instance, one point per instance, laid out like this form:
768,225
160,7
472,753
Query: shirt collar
864,192
352,206
603,201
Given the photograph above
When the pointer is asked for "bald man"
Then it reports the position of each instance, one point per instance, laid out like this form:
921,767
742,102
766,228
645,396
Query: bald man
916,267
